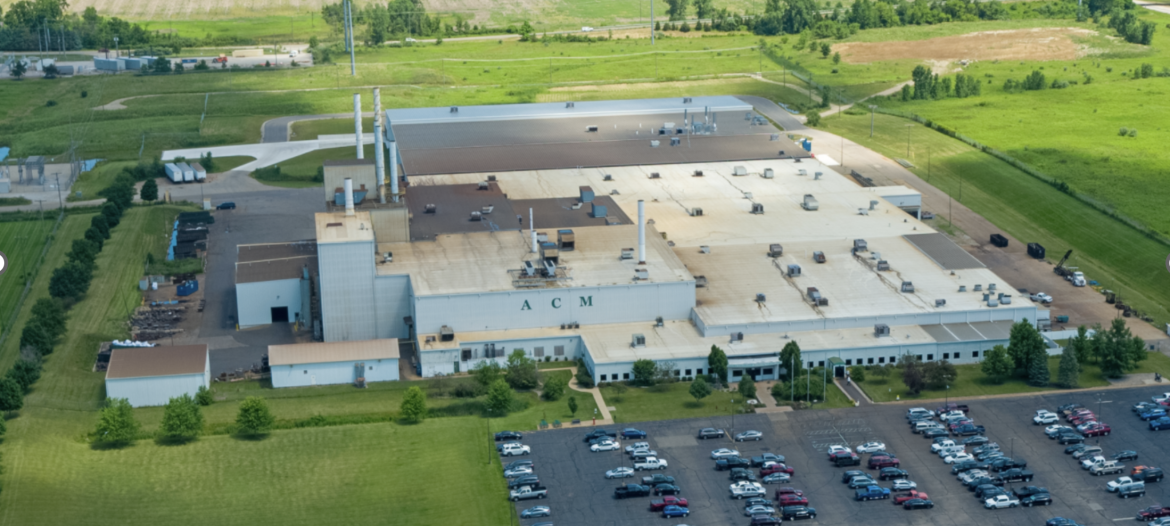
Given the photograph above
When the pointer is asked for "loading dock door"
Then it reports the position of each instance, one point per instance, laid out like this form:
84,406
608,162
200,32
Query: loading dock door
279,314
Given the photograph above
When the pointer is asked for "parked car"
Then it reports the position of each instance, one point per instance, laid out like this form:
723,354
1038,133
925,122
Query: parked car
759,509
1159,424
745,490
1114,485
845,458
759,460
836,448
1107,467
849,475
917,504
764,520
941,443
536,511
630,432
1153,512
656,479
1045,417
619,473
883,462
503,435
675,511
775,468
524,480
958,457
710,432
1074,449
1039,499
1061,521
650,463
967,465
599,433
528,492
228,205
731,462
776,478
667,489
1097,430
1027,491
1127,454
1151,414
892,473
626,491
976,440
518,471
861,482
742,474
872,493
608,445
1000,502
511,450
787,490
1016,475
1147,474
1075,438
904,485
909,496
790,513
936,432
724,453
657,505
953,406
969,429
988,491
871,447
793,500
749,435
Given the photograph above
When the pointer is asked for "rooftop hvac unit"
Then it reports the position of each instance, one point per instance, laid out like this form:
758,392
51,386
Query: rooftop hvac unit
907,286
860,245
542,237
823,302
607,177
796,160
446,334
940,303
627,253
819,256
487,209
586,194
862,212
802,171
675,141
476,216
1005,299
781,153
491,178
655,175
883,265
641,274
549,252
591,128
991,287
747,195
875,255
978,287
566,240
698,173
700,281
992,302
962,288
695,212
704,249
760,298
736,337
653,144
739,170
599,211
873,205
638,340
817,176
775,250
769,173
483,185
387,257
429,209
809,203
986,296
757,208
550,268
793,271
813,294
881,329
774,137
529,269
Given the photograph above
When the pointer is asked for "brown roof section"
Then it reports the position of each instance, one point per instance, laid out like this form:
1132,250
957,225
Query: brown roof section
325,352
348,162
275,261
141,362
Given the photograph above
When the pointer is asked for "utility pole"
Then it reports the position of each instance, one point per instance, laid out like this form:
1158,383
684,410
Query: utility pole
871,108
60,201
908,126
652,35
352,62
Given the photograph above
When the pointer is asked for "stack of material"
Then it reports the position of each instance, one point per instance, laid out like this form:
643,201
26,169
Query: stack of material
189,236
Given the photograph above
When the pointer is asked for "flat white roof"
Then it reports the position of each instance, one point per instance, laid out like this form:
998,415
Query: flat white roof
556,110
336,227
479,262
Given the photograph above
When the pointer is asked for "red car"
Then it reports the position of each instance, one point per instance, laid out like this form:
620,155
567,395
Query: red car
914,494
787,490
1081,419
1079,414
1153,512
1098,430
793,500
657,505
883,462
776,468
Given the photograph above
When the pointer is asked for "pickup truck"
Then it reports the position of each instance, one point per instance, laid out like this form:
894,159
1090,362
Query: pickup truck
650,463
631,490
1107,467
969,429
873,493
766,457
657,479
1015,475
731,462
952,406
528,492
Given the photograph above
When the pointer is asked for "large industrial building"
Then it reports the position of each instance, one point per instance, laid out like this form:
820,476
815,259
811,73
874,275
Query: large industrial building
619,231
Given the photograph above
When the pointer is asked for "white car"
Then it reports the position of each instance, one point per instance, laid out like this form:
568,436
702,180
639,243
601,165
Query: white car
1089,462
1113,485
758,509
643,453
951,451
1000,502
619,473
835,449
511,450
904,485
518,471
605,446
1161,398
968,476
637,445
585,29
871,447
938,446
294,53
1045,418
953,415
1050,430
1160,521
723,453
958,457
914,411
744,489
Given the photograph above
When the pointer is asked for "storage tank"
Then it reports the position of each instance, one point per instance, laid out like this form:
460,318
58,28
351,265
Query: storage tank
174,173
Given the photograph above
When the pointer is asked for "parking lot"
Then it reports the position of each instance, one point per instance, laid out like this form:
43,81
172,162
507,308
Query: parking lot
580,495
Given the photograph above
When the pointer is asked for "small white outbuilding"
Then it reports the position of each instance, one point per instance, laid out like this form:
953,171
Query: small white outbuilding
149,376
325,363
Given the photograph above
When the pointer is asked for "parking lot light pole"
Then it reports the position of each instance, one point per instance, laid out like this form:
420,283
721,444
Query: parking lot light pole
732,430
595,416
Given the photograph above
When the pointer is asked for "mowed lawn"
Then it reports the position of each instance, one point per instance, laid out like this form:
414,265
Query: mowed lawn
674,401
22,243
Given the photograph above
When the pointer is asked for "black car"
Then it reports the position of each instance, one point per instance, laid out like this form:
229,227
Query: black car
979,481
742,474
631,490
764,520
731,462
917,504
1125,455
988,491
666,489
1148,474
845,458
1073,438
936,432
1027,491
1004,464
1039,499
518,463
656,479
977,440
1015,475
791,513
892,473
766,457
967,465
969,429
599,433
508,435
226,206
710,432
848,475
526,480
1070,449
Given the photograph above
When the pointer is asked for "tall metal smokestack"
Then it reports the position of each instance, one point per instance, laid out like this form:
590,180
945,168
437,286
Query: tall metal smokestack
357,123
532,226
641,232
393,165
348,196
379,162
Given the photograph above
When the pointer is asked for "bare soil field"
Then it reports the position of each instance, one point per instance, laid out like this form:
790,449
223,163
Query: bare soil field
1018,44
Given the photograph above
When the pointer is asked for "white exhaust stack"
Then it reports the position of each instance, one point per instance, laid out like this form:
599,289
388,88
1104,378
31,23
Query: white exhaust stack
393,167
641,232
357,123
532,226
379,162
348,196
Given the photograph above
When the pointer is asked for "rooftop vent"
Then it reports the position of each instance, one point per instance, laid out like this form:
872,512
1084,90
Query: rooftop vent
978,287
819,256
860,245
986,296
542,237
329,225
873,205
883,265
695,212
675,141
641,274
907,286
809,203
698,173
658,321
454,109
607,177
491,178
940,303
862,212
991,287
430,209
817,176
387,257
757,208
599,211
1005,299
566,240
653,144
760,298
881,329
627,253
586,194
813,294
704,249
739,170
962,288
570,105
793,271
483,185
476,216
775,250
992,302
638,340
700,281
769,173
529,269
655,175
747,195
446,334
487,209
550,268
736,337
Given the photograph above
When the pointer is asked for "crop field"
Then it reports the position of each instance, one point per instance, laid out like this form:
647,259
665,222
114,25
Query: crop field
22,243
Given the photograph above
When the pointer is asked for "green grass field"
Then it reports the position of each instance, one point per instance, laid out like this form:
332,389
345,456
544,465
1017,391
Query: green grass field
22,243
673,401
970,381
295,27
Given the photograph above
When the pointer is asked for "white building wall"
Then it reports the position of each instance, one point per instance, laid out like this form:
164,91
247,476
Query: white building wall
155,390
618,372
443,361
1012,313
393,296
348,312
300,375
524,309
254,301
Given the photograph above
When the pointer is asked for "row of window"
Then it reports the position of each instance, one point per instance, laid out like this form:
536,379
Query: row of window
493,351
626,376
882,359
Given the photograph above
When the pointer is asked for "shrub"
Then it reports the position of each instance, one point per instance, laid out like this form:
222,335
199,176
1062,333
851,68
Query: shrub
50,103
84,94
554,389
203,395
182,420
414,405
1123,131
116,424
254,418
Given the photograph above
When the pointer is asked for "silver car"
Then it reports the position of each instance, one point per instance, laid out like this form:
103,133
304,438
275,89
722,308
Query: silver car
904,485
759,509
777,478
619,473
749,435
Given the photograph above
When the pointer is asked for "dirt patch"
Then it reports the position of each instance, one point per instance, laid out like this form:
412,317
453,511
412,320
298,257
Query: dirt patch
1053,43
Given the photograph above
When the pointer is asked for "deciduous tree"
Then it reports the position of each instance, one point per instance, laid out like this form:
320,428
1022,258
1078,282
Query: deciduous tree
554,388
912,374
25,373
644,372
149,191
573,405
116,424
790,359
997,365
521,372
747,387
499,398
700,389
182,420
717,361
254,418
414,405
